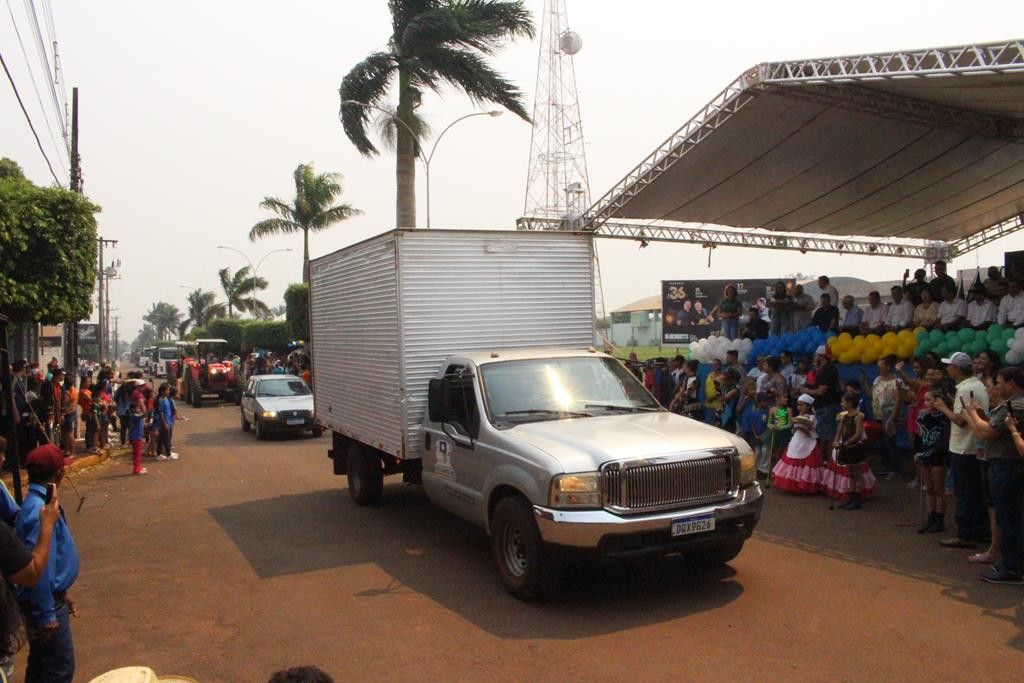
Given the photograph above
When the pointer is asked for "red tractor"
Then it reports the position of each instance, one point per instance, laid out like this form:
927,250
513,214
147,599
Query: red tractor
204,375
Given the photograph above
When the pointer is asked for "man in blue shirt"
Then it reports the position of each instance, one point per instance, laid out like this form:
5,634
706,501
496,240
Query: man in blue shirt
46,606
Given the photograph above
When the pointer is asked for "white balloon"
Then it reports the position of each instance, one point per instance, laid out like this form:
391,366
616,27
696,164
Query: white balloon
1019,334
1015,344
1014,357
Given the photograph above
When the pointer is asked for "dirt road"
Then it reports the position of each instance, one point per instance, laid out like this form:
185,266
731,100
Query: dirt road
248,556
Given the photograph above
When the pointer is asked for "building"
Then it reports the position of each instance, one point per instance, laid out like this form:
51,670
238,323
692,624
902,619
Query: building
637,323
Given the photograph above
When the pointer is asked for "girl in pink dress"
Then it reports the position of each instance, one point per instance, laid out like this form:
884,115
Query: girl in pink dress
800,470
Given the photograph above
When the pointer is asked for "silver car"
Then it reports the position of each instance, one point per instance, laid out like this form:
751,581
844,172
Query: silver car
278,403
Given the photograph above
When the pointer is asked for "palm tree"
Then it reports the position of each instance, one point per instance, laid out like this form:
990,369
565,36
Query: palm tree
146,335
202,308
239,289
310,210
164,318
433,43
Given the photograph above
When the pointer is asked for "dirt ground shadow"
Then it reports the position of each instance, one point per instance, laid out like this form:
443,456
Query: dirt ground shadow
431,552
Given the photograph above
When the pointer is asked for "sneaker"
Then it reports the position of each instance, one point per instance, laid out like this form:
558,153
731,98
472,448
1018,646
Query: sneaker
174,456
161,457
142,471
912,484
1002,577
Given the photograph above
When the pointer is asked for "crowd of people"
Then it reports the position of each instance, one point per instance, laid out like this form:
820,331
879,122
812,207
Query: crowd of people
917,302
951,421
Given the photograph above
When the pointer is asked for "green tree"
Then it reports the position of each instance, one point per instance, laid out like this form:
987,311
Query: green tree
203,307
146,337
47,250
310,210
164,318
433,43
296,301
239,288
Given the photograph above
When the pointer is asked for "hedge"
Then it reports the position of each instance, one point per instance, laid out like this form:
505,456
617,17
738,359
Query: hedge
229,329
198,333
47,251
296,301
265,334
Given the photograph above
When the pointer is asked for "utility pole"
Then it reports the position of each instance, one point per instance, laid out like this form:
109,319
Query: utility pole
71,328
117,341
104,299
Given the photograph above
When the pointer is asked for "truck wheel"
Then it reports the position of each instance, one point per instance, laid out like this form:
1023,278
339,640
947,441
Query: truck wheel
318,431
527,569
197,399
715,557
365,477
245,424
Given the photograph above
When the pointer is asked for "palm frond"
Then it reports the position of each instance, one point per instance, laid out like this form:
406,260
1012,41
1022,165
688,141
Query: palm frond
335,214
366,82
493,22
278,206
272,226
473,76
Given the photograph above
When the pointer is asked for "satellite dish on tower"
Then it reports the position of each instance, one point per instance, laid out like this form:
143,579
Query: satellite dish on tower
570,42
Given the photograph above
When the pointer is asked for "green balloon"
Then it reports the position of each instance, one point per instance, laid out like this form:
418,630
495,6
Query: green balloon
925,345
993,328
919,352
966,334
977,346
921,335
941,349
936,336
953,345
999,346
1008,333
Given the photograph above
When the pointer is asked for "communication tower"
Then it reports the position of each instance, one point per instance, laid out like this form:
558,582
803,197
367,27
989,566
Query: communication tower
557,185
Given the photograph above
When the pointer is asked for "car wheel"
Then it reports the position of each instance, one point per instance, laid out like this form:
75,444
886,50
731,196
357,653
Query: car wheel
365,476
245,424
714,557
526,567
260,433
318,431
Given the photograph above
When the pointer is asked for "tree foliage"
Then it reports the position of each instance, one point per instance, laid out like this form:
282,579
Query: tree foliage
203,307
296,301
165,319
310,210
47,251
228,329
239,288
265,334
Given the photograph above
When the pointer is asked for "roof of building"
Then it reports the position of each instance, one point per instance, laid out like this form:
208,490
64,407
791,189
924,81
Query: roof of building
648,303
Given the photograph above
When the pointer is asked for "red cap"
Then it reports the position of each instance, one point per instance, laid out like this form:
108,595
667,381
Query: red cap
48,458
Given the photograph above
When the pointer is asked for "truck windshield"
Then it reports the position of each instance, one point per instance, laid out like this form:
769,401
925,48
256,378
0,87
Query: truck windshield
558,388
282,387
169,353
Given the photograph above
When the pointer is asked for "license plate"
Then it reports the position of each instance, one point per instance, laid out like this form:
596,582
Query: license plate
693,525
295,420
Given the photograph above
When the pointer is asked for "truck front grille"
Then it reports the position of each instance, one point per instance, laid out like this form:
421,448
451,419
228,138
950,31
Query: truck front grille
644,486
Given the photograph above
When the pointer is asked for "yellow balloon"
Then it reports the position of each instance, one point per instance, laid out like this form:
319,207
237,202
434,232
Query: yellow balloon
918,330
870,356
848,358
905,335
889,336
846,336
874,339
832,341
906,351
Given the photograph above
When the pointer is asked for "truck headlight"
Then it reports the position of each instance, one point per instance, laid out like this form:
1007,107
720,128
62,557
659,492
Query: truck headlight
579,490
748,467
269,414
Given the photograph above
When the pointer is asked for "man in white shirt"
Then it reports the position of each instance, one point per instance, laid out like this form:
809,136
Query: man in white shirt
981,312
952,309
803,308
850,316
971,516
901,311
1011,306
874,315
787,369
826,288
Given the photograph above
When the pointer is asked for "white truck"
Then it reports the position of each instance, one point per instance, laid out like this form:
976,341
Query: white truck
463,361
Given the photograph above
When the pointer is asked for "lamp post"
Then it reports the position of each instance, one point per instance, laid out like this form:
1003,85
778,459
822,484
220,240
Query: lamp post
255,269
425,159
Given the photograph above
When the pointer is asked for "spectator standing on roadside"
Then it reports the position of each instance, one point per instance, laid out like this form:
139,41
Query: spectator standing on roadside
850,316
164,417
926,314
933,457
1011,306
68,412
952,309
874,315
123,404
1005,474
85,402
47,606
137,429
826,316
803,308
971,517
901,312
981,312
825,285
914,288
886,401
941,281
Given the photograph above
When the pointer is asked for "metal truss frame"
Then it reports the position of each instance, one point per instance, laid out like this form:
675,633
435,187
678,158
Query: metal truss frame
714,238
989,234
989,58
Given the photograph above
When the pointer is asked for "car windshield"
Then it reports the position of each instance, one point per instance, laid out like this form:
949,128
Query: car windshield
282,387
168,354
557,388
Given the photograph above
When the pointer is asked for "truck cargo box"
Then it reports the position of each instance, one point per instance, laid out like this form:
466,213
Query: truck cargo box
386,312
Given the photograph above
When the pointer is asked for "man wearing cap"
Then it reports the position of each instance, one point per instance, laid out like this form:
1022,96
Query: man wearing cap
47,606
826,391
971,516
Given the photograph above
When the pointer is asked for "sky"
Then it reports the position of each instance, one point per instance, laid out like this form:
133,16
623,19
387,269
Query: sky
192,112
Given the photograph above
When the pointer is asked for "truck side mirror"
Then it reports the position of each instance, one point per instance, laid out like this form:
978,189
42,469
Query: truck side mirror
439,406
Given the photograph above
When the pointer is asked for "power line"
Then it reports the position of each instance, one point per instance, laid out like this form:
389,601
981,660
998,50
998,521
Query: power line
32,77
28,118
30,9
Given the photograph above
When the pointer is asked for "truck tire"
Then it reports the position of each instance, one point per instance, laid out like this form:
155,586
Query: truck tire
197,399
365,476
245,423
526,567
715,557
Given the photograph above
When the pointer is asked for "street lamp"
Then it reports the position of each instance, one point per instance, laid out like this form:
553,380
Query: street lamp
254,269
425,159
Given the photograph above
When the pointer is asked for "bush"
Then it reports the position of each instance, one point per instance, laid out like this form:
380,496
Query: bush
265,334
198,333
47,251
296,301
229,329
